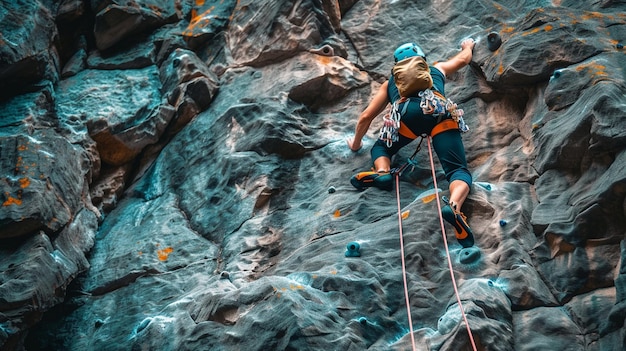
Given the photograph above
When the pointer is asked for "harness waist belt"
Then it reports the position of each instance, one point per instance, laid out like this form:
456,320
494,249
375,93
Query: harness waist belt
445,125
406,132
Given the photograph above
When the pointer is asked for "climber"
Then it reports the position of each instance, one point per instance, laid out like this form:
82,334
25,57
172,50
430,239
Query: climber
448,144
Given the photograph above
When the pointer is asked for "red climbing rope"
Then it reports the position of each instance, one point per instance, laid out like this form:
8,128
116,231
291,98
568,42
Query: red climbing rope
406,287
445,242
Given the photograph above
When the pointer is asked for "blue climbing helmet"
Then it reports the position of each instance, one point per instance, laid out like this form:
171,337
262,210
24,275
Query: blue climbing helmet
408,50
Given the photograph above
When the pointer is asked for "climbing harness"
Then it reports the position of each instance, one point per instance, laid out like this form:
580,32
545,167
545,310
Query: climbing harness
432,103
397,172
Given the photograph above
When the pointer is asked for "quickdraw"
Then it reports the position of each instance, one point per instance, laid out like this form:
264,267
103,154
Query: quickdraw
434,103
391,123
457,115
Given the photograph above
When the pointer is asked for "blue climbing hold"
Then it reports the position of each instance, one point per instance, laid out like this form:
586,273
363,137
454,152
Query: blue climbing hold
353,249
485,185
503,222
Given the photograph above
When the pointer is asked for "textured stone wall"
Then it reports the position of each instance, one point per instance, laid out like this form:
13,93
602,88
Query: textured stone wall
174,176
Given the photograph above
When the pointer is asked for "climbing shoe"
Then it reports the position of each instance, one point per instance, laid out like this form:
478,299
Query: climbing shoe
458,220
381,180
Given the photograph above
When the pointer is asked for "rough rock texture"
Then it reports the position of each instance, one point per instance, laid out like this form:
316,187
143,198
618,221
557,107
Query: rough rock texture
174,176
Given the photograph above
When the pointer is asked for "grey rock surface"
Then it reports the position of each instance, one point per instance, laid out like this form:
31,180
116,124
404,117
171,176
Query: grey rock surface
166,171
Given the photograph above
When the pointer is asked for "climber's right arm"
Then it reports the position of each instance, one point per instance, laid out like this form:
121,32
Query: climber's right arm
459,60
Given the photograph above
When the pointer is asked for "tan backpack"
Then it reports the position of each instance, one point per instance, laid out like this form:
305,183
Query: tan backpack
412,75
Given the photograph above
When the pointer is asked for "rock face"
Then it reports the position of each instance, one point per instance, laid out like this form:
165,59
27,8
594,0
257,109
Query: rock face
174,176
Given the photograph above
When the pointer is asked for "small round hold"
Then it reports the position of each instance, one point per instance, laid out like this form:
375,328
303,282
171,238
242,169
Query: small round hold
225,275
469,255
619,46
331,190
363,320
493,41
503,222
143,325
325,50
490,282
353,249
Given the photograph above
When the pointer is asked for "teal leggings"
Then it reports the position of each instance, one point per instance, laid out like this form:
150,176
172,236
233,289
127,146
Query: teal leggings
449,148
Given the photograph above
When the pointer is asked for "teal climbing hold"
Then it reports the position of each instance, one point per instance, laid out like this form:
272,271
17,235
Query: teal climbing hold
353,249
469,255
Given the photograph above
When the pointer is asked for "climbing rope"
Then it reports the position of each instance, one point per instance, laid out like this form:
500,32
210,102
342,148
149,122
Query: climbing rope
445,242
397,172
406,287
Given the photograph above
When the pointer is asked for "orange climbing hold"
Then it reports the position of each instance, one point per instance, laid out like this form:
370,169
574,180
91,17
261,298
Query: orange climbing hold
12,201
165,253
24,183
